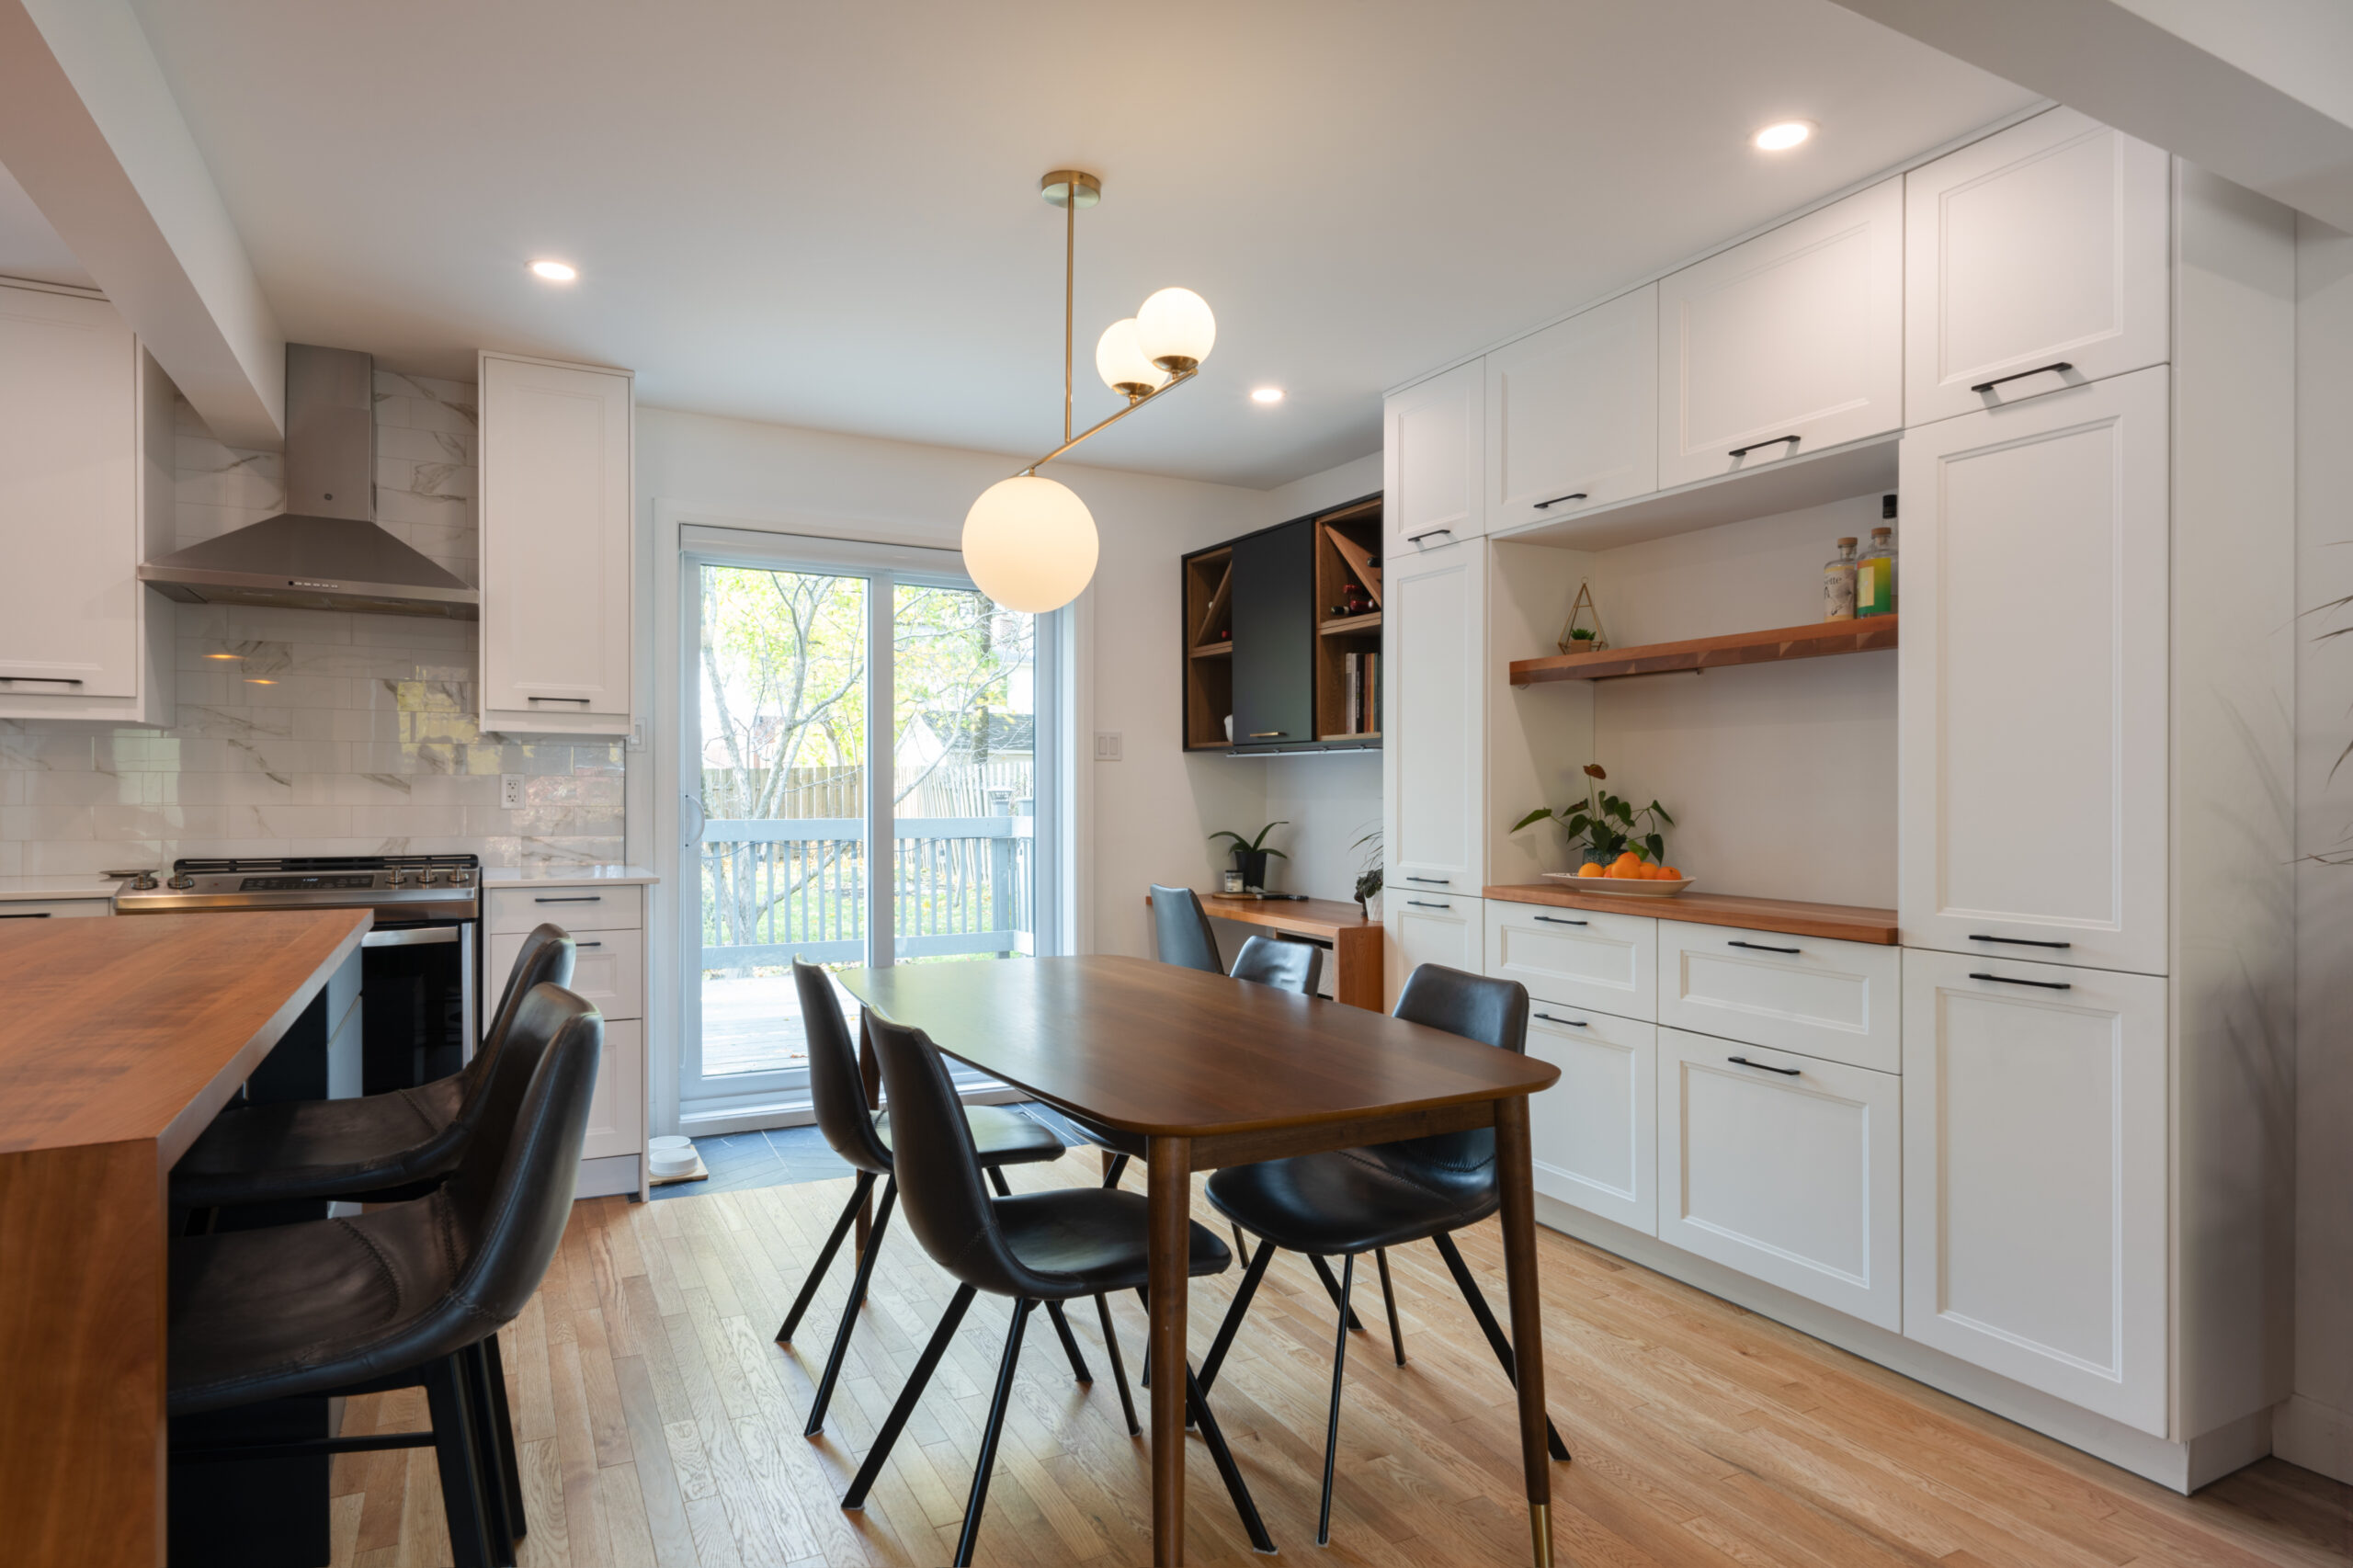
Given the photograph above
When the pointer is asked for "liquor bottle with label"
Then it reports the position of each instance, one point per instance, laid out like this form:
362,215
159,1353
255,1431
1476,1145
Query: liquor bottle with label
1838,583
1875,570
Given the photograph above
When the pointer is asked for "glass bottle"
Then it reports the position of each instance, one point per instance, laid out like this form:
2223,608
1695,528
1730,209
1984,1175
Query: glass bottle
1838,583
1875,570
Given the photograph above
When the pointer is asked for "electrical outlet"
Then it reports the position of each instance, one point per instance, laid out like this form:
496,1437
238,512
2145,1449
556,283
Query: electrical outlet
1107,745
510,790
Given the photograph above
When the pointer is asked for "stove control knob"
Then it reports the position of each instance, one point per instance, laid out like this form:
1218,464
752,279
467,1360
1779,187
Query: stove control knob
145,882
181,881
398,879
426,878
460,878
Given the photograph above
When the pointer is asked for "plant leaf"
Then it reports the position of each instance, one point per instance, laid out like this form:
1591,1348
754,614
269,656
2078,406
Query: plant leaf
1236,836
1538,814
1656,844
1276,853
1593,770
1662,813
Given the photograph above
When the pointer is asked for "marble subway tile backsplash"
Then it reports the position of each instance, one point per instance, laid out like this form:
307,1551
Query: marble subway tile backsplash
312,733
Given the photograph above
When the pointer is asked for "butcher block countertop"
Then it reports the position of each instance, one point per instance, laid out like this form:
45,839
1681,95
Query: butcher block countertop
1837,922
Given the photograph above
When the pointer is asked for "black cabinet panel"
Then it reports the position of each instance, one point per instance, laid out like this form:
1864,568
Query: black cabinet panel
1274,636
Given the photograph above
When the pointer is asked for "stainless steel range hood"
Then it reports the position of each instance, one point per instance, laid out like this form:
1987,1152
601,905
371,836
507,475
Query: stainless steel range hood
325,552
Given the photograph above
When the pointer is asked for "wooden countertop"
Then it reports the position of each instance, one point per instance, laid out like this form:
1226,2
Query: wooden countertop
139,1027
1325,917
1839,921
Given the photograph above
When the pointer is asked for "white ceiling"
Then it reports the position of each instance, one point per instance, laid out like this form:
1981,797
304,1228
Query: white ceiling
29,246
825,214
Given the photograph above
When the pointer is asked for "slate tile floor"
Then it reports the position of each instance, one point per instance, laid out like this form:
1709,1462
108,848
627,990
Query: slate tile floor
782,1156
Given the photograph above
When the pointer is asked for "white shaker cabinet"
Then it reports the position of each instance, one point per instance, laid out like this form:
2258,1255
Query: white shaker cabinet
1785,1167
2035,1177
2031,728
1584,958
1594,1135
1434,637
1431,491
2035,259
1786,344
556,505
1572,414
606,921
86,495
1432,927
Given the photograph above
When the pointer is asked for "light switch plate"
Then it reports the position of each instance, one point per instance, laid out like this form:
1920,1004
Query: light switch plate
510,790
1107,745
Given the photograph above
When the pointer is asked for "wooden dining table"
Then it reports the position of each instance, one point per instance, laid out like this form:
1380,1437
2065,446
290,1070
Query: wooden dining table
1193,1071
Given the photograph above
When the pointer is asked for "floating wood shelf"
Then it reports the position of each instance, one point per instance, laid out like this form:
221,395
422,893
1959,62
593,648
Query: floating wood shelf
1818,640
1347,624
1214,651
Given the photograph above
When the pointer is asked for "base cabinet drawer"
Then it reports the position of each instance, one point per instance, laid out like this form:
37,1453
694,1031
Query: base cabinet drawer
1441,928
514,911
2035,1177
1785,1167
1835,1000
609,970
1583,957
1595,1134
55,909
617,1115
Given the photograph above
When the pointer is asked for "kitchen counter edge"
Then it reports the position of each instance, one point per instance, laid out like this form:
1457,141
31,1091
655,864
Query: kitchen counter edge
1834,922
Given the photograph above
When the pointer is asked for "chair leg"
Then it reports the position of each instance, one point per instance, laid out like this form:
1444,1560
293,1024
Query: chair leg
489,1447
826,1257
1145,1297
461,1499
1332,1428
996,1180
1118,1367
892,1423
1070,1342
1230,1472
989,1434
1389,1301
1332,1288
511,1476
849,1309
1241,1242
1115,1167
1235,1313
1496,1340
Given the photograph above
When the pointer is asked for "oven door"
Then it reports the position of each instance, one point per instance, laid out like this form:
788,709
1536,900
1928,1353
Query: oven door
418,1004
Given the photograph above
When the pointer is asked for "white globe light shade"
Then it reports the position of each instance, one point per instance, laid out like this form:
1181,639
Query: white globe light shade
1029,544
1121,363
1175,329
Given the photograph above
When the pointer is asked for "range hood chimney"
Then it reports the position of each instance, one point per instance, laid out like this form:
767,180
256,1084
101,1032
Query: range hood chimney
325,551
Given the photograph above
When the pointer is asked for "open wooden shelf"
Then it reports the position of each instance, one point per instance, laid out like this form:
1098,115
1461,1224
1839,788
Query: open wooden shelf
1214,651
1209,658
1814,641
1348,623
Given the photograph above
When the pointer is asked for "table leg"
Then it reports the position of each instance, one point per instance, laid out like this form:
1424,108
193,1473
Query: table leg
1170,1166
1516,1173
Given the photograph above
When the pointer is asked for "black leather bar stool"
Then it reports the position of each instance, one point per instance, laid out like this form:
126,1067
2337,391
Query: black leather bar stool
377,1147
408,1294
838,1090
1351,1201
1039,1246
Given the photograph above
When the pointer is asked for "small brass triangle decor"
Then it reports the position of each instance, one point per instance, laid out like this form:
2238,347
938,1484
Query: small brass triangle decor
1570,642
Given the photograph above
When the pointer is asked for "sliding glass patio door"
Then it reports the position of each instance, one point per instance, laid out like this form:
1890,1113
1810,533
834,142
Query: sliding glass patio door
870,763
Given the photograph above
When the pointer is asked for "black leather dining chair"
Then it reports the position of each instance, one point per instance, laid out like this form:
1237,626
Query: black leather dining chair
863,1140
1180,930
375,1148
1038,1248
406,1294
1351,1201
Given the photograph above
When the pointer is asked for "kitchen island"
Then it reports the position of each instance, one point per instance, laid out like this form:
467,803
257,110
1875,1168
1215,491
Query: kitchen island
119,1041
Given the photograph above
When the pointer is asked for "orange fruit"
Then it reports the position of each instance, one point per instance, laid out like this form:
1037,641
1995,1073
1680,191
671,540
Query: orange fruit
1590,869
1669,874
1628,858
1655,873
1623,873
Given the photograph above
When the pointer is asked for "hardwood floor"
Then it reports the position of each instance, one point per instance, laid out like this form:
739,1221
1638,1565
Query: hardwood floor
660,1425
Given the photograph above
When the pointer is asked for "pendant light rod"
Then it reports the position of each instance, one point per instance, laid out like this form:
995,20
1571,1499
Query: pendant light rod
1174,382
1070,298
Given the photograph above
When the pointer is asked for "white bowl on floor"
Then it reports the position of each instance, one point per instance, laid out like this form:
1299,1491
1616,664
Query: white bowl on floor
670,1155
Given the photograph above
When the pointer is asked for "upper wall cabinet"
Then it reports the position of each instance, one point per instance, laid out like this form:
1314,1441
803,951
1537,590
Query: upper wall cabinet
85,494
1430,450
2034,259
1572,414
555,548
1785,344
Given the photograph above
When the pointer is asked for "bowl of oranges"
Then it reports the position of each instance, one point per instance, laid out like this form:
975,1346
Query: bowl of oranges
1629,873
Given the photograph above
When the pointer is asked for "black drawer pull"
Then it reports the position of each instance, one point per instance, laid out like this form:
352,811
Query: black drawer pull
1557,920
1425,904
2019,941
2021,375
587,944
1763,947
1573,1023
1573,495
45,680
583,701
1760,446
574,898
35,914
1425,533
2044,984
1765,1067
1442,881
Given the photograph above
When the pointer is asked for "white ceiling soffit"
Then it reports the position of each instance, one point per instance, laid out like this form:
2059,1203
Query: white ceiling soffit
2258,91
827,215
29,246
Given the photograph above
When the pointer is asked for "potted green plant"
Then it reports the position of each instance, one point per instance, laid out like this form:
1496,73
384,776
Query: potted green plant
1250,855
1605,826
1369,875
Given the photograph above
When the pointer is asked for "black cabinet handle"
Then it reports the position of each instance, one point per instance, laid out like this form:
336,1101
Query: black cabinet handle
1762,948
1266,735
583,701
45,680
1425,904
1760,446
2043,984
1425,533
1765,1067
35,914
1442,881
1573,1023
2019,941
1557,920
2021,375
587,944
573,898
1572,495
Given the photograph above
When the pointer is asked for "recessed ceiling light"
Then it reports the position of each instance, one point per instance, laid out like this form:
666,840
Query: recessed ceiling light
1266,395
554,271
1780,138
